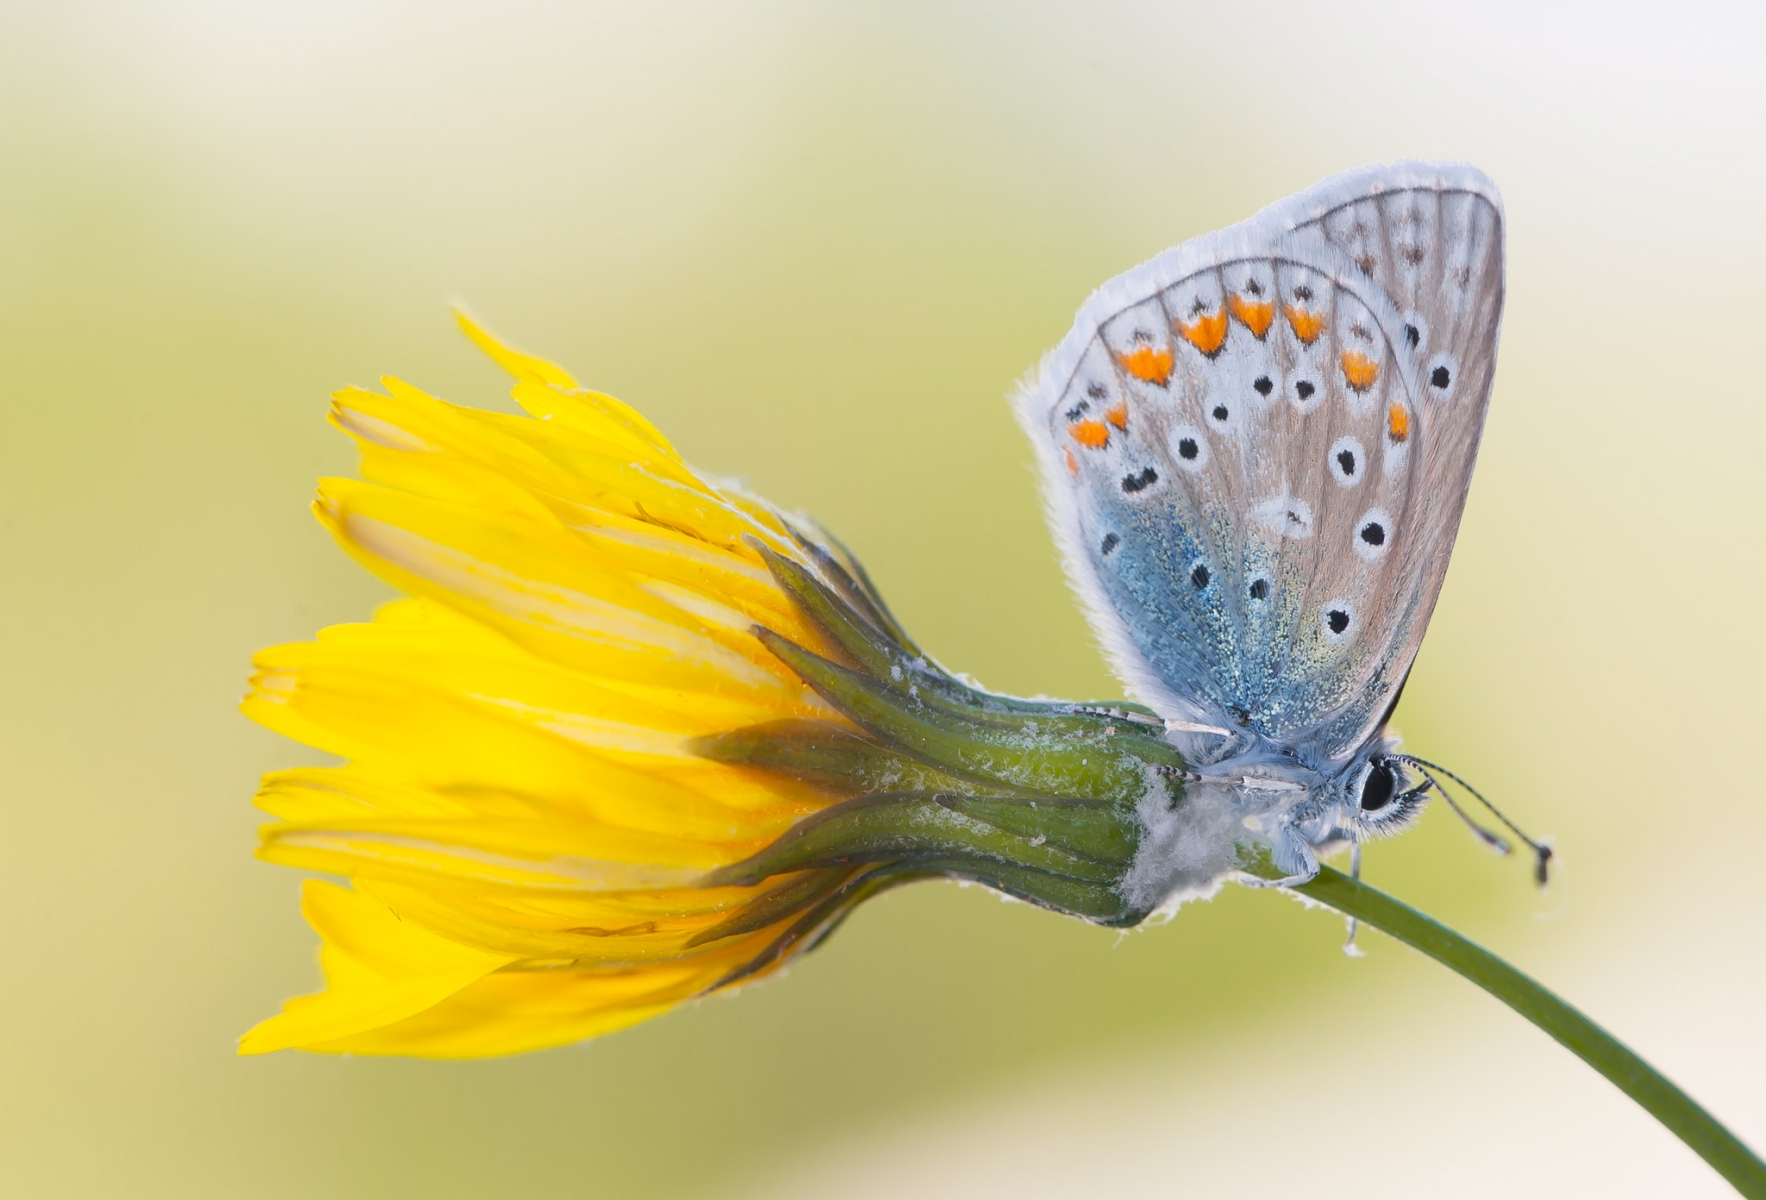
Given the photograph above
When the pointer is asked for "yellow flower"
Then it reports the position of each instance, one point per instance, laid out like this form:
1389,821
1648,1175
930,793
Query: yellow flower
521,817
631,738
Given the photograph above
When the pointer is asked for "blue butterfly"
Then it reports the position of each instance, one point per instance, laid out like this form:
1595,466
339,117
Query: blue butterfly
1256,450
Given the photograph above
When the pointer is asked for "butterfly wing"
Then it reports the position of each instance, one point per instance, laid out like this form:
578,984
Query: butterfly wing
1252,472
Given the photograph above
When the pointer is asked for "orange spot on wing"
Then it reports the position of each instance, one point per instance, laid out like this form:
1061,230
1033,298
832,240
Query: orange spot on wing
1307,325
1257,316
1118,416
1148,363
1093,435
1359,371
1398,422
1072,463
1206,333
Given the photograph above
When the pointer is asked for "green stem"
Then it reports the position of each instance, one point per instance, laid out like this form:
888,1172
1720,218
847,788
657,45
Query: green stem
1575,1032
1039,800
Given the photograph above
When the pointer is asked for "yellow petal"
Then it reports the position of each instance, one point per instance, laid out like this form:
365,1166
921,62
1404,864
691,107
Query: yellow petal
378,970
522,366
521,742
324,794
579,932
496,851
561,395
515,1011
531,583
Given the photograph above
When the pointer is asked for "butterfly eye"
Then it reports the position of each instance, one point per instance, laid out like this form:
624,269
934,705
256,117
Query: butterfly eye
1378,786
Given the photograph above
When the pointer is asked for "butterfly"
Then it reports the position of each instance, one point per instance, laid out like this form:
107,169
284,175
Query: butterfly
1256,450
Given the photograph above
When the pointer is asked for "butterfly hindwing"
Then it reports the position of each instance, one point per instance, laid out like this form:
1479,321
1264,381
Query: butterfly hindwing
1255,488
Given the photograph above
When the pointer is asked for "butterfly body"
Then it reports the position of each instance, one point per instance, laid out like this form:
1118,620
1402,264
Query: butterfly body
1256,451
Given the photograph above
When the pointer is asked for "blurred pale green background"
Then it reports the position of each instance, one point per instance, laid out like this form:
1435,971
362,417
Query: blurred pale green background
817,244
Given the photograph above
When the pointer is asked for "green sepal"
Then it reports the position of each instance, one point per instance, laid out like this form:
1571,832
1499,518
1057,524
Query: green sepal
818,752
890,827
814,926
1100,904
851,581
878,653
794,894
1102,831
1095,902
1026,754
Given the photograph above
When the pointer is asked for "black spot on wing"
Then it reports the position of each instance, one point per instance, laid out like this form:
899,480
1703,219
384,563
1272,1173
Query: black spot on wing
1140,481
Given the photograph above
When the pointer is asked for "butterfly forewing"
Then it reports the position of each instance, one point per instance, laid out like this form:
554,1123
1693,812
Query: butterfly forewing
1254,476
1430,239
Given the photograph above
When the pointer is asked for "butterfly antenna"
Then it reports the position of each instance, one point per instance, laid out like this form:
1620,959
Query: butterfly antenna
1541,852
1489,838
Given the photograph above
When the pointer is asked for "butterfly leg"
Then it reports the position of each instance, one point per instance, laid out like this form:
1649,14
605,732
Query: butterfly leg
1292,856
1349,946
